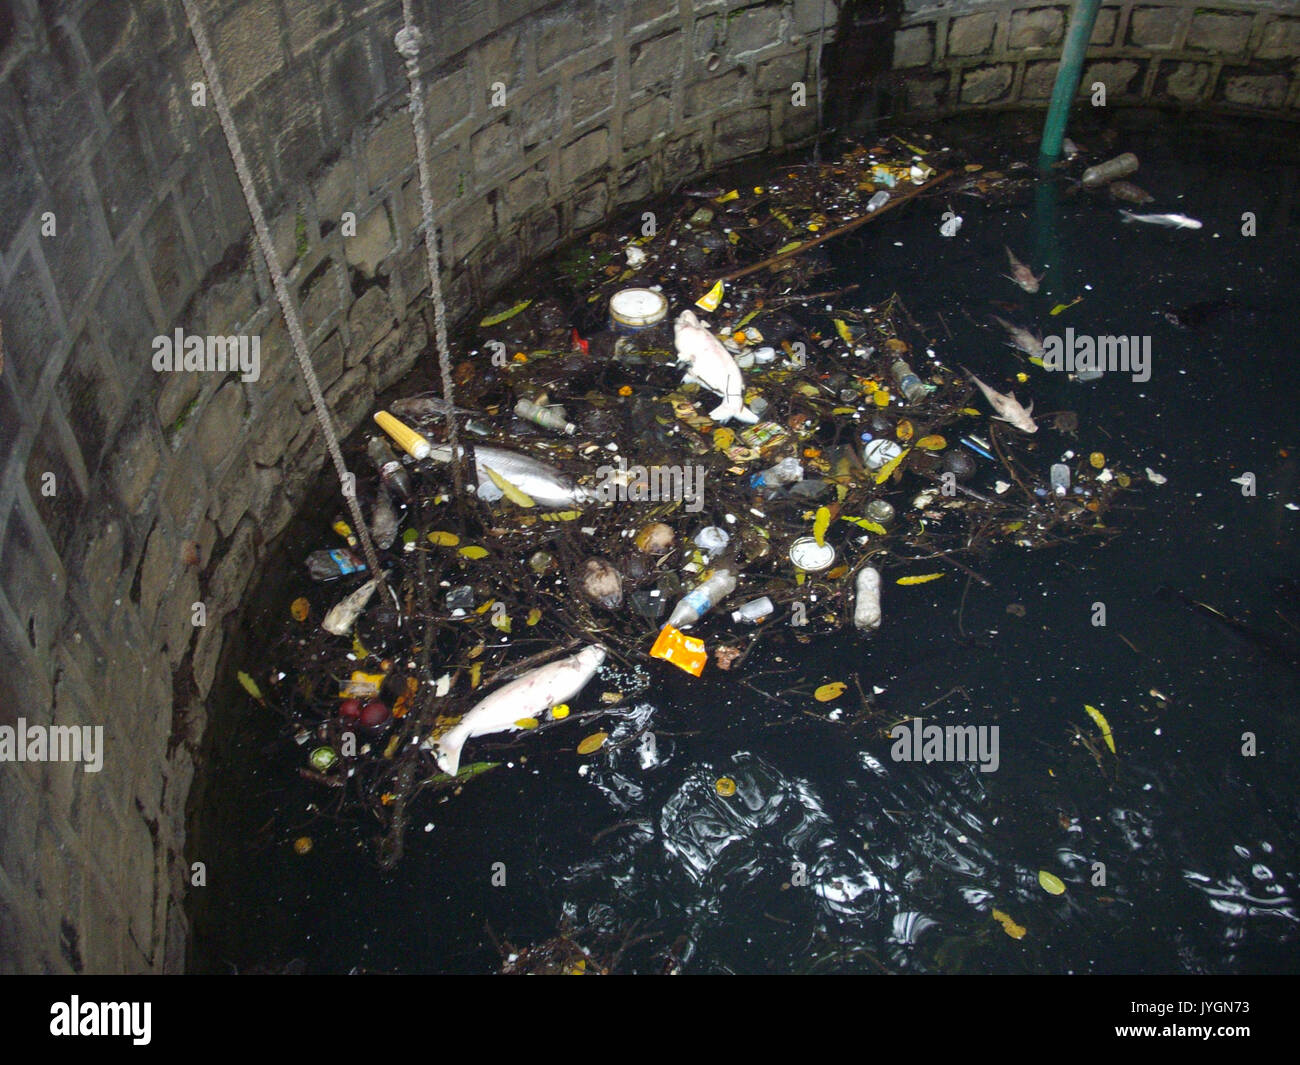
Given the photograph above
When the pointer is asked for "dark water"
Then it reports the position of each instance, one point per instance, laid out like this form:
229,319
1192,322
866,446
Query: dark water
833,856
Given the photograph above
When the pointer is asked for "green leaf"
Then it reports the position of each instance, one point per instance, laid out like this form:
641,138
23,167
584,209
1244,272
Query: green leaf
250,685
497,319
466,771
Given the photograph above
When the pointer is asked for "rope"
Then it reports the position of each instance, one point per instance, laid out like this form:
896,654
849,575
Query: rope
346,480
408,40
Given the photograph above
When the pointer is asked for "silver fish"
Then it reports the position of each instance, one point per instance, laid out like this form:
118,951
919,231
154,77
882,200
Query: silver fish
344,613
544,484
1173,221
1021,274
1008,407
527,696
1021,338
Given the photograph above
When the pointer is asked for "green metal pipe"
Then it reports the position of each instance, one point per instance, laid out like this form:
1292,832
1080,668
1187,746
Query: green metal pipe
1067,79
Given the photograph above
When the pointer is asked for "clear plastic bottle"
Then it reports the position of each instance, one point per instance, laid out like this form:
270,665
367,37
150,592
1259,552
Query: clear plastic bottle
701,599
391,470
547,417
787,471
912,387
1060,477
754,611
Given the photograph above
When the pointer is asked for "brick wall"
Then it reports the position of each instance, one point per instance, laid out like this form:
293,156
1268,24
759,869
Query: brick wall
121,220
1228,55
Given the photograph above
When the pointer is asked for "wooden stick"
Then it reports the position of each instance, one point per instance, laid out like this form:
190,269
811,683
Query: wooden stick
862,220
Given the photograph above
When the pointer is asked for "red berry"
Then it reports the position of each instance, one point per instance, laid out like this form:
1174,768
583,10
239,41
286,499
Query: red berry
350,711
374,714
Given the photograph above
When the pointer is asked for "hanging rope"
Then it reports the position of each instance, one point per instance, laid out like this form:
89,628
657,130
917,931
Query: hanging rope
408,46
346,479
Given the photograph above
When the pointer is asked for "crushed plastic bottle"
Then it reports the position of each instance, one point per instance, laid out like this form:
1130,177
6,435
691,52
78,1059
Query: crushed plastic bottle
866,607
391,470
754,611
701,599
546,416
787,471
913,388
712,540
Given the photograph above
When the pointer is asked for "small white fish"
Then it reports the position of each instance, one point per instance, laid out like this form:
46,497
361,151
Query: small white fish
711,366
1021,274
1174,221
527,696
344,613
542,483
1021,338
1008,408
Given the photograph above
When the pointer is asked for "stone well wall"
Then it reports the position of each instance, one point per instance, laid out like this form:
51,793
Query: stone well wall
1228,55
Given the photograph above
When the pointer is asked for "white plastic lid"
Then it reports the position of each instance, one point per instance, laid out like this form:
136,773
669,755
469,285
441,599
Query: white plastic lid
638,307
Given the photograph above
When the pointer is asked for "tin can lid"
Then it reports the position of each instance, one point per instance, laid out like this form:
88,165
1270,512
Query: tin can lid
638,307
809,556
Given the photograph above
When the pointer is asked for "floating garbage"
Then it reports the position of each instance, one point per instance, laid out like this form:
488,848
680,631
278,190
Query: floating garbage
692,418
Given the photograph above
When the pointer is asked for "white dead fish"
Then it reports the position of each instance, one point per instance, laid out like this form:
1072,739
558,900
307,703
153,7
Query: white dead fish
1008,408
1021,338
711,366
344,613
543,484
1172,221
1021,274
528,696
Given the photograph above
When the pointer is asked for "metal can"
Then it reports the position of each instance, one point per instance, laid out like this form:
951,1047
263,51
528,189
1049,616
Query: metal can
810,556
880,453
634,309
881,511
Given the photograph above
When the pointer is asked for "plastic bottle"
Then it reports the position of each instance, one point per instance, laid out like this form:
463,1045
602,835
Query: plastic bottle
1060,477
866,608
547,417
1120,166
754,611
787,471
879,199
327,565
701,599
912,387
391,470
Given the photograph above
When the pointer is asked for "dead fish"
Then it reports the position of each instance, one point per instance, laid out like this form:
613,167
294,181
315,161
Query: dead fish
1021,339
1128,192
344,613
384,521
423,407
1171,221
1021,274
1008,407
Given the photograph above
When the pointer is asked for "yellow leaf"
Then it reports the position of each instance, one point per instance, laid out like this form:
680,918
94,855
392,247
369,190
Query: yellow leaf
485,607
475,675
970,410
497,319
868,524
443,539
1097,460
723,438
1037,361
562,515
881,397
560,712
502,622
820,524
593,743
922,579
727,197
520,499
1102,724
887,470
842,328
1015,931
1058,309
476,651
841,490
932,443
299,609
787,247
830,691
903,430
474,551
527,722
1053,885
249,685
725,786
845,410
534,616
